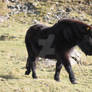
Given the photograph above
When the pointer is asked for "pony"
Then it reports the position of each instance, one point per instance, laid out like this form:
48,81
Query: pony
56,42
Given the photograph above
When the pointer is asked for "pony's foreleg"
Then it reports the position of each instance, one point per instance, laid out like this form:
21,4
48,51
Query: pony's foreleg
68,68
58,69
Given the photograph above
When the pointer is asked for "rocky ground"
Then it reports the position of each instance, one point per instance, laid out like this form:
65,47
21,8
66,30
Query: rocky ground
47,12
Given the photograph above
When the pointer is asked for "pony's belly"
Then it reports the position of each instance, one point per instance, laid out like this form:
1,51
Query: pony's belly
48,56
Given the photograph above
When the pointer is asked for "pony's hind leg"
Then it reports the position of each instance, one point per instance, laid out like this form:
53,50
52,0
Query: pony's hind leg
28,66
31,65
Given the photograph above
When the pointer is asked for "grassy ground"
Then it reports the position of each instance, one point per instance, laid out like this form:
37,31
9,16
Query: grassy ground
13,58
12,67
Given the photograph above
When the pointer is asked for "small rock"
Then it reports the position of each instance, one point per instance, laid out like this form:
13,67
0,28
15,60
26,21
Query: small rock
2,79
68,9
75,57
3,37
35,21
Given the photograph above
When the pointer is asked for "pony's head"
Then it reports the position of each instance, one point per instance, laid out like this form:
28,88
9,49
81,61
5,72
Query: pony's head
86,42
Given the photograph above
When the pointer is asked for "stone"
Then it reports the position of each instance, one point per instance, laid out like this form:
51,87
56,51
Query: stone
75,57
68,9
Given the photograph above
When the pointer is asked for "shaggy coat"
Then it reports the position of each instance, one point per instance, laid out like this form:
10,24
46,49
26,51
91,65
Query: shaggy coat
56,42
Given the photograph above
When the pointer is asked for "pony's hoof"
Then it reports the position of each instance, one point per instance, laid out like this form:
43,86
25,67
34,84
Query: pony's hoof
74,82
34,76
57,79
27,72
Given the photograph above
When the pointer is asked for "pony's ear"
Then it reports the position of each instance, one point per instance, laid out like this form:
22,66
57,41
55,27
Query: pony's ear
88,28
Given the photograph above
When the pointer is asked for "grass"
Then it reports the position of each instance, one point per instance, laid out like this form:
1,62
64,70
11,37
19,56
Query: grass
3,9
13,57
12,67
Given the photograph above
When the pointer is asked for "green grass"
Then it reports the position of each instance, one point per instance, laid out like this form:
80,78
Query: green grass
12,67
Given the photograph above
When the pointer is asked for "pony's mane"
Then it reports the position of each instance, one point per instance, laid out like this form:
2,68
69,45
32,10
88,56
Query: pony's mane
75,21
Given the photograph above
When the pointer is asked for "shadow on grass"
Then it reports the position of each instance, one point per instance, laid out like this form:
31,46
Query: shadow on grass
8,77
90,64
